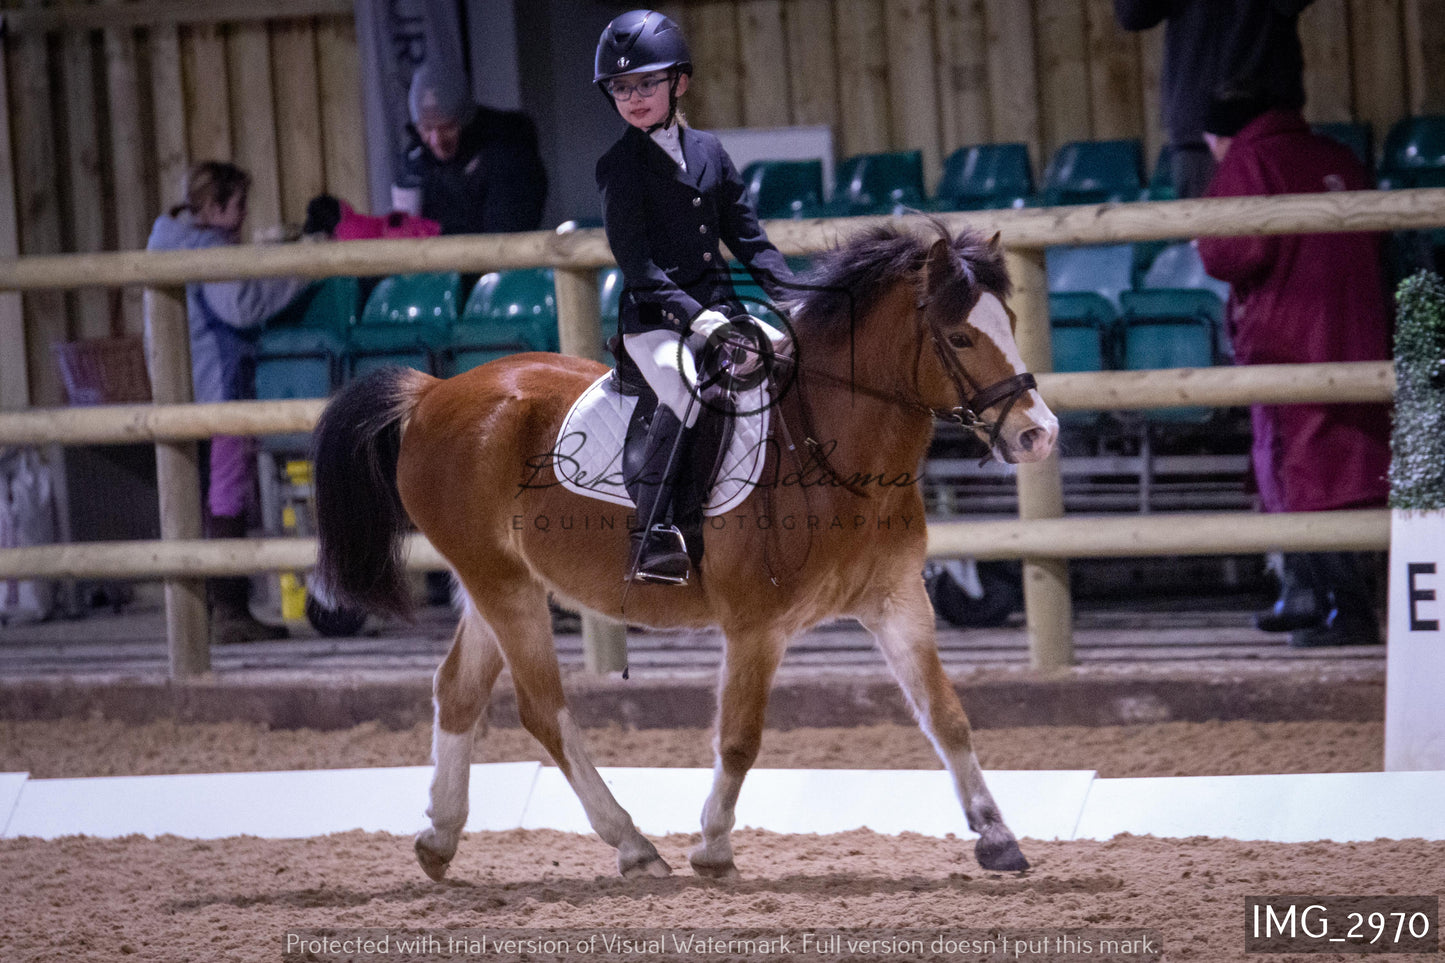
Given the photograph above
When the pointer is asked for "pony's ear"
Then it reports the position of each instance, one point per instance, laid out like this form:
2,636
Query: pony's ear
995,243
941,265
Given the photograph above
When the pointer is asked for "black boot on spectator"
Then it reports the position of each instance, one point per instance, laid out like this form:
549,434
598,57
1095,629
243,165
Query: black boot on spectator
231,618
1351,620
1299,605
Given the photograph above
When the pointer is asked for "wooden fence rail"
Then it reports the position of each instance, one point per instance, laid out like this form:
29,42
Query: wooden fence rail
1042,538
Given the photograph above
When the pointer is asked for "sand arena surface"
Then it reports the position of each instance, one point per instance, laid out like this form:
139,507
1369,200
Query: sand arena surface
80,899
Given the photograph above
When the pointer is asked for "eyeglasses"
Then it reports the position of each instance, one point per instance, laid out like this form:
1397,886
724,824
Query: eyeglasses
624,91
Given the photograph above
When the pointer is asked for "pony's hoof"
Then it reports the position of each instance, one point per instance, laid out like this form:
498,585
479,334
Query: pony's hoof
433,863
1003,855
708,868
655,867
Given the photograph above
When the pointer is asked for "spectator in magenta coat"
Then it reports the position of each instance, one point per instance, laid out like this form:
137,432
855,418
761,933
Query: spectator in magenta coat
1300,299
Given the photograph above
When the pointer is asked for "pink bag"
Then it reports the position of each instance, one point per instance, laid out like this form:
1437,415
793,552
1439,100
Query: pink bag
368,227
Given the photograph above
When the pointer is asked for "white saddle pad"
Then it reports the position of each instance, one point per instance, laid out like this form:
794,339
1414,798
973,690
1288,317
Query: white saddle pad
588,454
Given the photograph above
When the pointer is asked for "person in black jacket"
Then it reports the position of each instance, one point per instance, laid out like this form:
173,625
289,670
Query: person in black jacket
472,169
669,195
1209,45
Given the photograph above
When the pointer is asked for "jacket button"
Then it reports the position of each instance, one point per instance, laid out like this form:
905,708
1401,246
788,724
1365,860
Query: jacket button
702,229
697,202
707,255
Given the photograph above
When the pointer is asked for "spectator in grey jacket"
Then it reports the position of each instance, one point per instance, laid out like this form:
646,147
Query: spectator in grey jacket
225,319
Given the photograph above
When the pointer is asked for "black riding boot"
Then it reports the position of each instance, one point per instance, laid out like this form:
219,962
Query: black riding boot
1351,620
1300,604
659,554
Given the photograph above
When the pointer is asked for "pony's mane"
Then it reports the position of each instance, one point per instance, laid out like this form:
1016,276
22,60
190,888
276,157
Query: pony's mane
853,277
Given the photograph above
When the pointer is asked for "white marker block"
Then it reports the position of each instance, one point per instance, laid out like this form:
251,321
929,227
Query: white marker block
1415,660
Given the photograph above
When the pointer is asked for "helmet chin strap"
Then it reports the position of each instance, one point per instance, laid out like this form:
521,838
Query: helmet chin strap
671,104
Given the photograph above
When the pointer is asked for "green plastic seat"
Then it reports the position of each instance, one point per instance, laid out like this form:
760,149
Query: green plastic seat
1356,136
1161,180
985,177
1171,328
1178,266
407,321
1415,144
1095,172
1082,333
300,350
784,189
877,184
609,291
507,312
1104,269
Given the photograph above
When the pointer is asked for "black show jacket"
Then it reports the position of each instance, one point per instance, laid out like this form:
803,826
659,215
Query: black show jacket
664,224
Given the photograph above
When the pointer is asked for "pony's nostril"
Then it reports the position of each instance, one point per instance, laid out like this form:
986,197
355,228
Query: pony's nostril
1029,438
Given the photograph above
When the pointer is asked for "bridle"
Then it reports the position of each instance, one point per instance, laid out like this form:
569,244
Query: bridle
974,400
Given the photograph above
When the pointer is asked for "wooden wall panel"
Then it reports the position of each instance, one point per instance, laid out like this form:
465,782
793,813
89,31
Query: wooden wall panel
1115,92
168,110
1064,88
913,84
1324,30
763,63
341,118
14,377
84,198
208,100
715,97
964,115
1013,86
1378,59
132,187
298,116
37,191
1151,68
253,124
813,62
864,123
1425,51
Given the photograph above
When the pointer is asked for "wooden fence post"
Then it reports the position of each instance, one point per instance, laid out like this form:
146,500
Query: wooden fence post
579,309
1048,608
177,475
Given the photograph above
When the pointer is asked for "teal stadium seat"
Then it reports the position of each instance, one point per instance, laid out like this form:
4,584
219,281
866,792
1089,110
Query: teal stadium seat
1103,269
300,350
1179,266
1161,180
609,291
507,312
784,189
877,184
985,177
1414,153
1356,136
1095,172
407,321
1171,328
1082,331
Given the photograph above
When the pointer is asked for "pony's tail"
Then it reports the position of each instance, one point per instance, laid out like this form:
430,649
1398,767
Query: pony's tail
360,520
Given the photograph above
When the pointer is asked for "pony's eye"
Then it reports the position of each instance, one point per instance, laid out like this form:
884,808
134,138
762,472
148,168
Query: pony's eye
960,341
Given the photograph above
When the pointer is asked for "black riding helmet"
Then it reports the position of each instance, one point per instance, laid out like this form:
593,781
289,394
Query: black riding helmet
637,42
